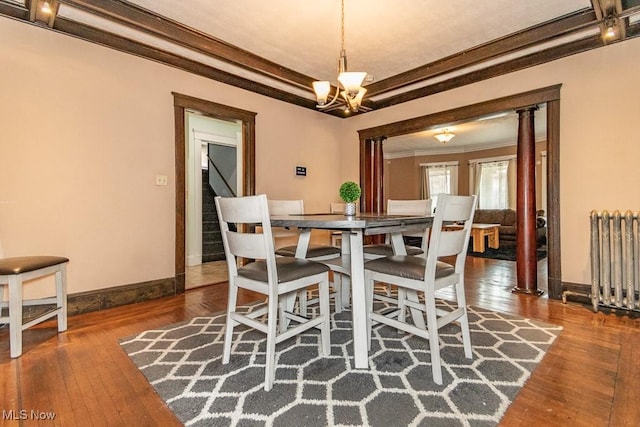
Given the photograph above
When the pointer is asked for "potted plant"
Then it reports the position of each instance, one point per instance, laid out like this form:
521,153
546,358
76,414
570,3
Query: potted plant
350,193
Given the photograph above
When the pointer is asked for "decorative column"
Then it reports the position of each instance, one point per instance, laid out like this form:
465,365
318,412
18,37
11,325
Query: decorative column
371,179
371,175
526,245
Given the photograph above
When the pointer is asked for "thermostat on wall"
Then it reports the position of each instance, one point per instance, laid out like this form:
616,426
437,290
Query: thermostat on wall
301,171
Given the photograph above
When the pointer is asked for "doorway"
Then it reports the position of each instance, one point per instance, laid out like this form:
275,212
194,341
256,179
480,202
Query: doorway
371,150
187,108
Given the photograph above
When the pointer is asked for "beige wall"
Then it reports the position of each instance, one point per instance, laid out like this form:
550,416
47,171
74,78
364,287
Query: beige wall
599,147
85,129
402,174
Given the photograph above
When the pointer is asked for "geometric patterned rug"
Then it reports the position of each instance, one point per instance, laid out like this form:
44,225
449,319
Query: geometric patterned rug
183,363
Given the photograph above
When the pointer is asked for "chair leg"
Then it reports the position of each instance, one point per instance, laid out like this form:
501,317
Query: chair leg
369,285
302,300
15,315
61,297
464,319
325,311
228,334
434,343
272,331
337,288
345,286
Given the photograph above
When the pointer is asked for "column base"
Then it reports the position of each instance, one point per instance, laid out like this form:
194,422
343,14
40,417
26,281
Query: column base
535,292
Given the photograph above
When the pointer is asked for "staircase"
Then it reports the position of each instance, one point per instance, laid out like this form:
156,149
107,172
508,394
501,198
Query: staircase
212,248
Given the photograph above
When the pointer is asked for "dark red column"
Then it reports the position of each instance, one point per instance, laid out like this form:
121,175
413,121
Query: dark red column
371,179
526,246
372,175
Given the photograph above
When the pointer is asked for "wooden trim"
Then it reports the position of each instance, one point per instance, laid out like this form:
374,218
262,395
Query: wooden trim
15,11
549,95
180,196
165,29
493,71
463,114
554,261
100,299
211,109
138,49
536,35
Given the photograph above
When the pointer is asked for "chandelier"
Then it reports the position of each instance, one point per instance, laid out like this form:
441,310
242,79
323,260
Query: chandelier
352,91
444,137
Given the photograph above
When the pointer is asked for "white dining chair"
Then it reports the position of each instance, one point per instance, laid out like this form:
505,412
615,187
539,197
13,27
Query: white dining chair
402,207
379,250
426,275
269,275
315,252
15,272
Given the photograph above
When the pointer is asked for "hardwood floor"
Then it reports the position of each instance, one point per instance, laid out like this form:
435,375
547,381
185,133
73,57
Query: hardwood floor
589,377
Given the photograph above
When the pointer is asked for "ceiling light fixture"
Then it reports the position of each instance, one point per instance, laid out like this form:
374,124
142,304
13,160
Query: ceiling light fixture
444,137
610,27
352,91
46,8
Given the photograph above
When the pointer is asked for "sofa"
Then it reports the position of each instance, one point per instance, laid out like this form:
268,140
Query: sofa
507,220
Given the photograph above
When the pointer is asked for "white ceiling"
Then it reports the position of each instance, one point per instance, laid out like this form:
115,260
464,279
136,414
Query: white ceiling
383,38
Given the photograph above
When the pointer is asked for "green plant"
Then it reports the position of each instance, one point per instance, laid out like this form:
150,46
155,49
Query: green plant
350,192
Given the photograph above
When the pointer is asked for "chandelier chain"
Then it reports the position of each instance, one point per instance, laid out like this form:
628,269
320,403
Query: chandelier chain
342,28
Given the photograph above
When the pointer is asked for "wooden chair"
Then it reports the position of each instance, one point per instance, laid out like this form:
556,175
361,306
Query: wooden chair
14,272
427,275
269,275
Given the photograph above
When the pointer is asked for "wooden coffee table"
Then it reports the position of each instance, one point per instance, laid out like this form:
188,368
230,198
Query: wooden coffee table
478,232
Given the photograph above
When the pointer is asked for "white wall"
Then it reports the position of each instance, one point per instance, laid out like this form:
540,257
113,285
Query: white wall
599,147
85,130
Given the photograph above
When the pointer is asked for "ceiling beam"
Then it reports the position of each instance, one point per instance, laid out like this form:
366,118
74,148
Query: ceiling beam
486,52
133,47
15,11
150,23
521,63
462,114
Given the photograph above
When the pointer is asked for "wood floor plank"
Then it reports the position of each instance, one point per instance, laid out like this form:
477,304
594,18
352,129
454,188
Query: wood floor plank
588,377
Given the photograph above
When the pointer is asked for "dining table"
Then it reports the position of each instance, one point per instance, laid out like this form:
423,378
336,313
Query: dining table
353,229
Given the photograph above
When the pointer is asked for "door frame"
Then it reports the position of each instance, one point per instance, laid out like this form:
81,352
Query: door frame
549,95
182,103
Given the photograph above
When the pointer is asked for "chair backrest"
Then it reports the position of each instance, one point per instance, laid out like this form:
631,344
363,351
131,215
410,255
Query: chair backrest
453,242
409,207
239,242
286,207
337,207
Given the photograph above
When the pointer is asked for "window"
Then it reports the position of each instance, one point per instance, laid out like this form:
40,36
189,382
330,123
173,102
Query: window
493,190
439,178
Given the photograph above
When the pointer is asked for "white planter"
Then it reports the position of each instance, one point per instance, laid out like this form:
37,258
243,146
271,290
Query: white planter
350,209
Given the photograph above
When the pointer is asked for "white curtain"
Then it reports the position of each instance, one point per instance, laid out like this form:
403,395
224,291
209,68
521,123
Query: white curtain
512,184
493,186
441,178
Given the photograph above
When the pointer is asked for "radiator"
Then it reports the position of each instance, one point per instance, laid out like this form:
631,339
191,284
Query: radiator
615,260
